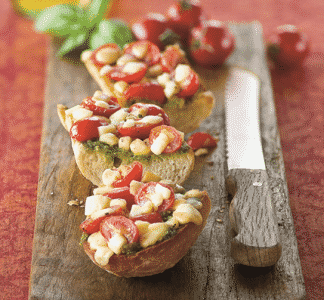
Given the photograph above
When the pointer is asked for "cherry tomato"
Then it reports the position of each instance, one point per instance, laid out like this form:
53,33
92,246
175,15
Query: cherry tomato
117,73
87,128
211,43
135,172
142,195
90,226
183,15
121,225
176,142
152,110
122,193
201,140
288,46
90,104
152,55
171,57
153,217
150,28
94,53
148,91
189,86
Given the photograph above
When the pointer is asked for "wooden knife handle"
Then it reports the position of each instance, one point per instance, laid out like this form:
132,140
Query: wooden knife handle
252,216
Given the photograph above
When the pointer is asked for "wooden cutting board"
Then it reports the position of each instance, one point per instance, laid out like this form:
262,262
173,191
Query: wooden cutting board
60,268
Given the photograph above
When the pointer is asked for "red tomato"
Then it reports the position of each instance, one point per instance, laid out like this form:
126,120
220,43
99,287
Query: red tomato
148,91
87,129
174,145
288,46
121,225
211,43
94,53
153,217
90,226
201,140
189,86
122,193
171,57
135,172
183,15
142,195
152,56
90,104
150,28
117,73
152,110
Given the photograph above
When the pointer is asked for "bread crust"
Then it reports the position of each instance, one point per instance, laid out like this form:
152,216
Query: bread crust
159,257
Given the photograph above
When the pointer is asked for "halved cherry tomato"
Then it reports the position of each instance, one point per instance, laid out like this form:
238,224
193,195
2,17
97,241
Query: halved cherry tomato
201,140
87,128
152,55
94,53
122,193
90,226
152,110
148,91
189,86
135,172
142,195
153,217
176,142
121,225
117,73
90,104
171,57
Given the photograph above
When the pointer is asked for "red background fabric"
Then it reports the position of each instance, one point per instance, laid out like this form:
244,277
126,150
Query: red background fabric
299,106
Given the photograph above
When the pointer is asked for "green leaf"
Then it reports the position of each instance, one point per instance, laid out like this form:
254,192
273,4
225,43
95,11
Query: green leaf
97,9
72,43
57,20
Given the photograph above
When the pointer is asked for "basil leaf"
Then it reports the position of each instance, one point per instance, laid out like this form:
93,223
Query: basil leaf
73,42
56,20
97,9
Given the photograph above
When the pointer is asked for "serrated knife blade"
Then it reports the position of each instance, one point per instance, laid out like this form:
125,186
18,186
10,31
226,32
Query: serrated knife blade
252,215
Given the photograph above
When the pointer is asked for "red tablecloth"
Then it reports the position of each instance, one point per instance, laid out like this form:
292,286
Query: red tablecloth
300,113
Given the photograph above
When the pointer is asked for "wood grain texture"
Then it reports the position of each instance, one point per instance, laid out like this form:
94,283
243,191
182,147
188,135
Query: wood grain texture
60,268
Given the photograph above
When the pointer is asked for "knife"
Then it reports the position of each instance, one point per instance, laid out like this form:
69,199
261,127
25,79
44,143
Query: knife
252,216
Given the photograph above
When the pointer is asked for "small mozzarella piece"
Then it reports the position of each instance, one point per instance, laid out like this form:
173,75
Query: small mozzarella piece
142,226
108,55
140,50
78,113
153,234
123,60
140,113
102,104
151,119
101,213
95,203
85,55
160,143
102,190
120,86
111,128
105,69
181,73
166,193
177,202
117,242
155,70
124,142
172,222
138,147
119,116
135,186
171,88
96,240
102,255
73,108
109,176
120,202
201,152
129,123
138,210
157,199
186,213
194,193
109,138
133,67
164,79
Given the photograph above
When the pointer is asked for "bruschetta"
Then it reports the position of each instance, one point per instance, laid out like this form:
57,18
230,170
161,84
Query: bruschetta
104,136
142,229
141,73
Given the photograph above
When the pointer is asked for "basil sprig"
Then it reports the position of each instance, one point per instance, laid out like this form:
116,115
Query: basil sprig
72,23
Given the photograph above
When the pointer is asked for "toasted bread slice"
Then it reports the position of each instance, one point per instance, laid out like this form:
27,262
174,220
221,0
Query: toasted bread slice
196,107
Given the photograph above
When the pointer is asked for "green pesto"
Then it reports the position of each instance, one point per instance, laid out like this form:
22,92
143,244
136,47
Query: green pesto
166,215
132,248
83,238
127,156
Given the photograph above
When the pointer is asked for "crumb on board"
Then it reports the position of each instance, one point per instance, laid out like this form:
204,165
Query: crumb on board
75,202
219,220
